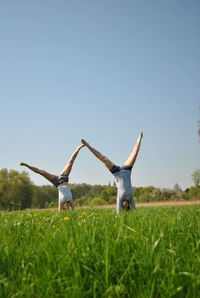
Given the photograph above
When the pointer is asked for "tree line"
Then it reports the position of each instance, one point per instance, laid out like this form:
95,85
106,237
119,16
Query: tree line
18,192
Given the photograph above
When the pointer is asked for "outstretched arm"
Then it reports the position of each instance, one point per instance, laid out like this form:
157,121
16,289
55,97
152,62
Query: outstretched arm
132,158
68,167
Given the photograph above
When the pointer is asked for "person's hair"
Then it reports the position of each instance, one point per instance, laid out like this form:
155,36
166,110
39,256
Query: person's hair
126,205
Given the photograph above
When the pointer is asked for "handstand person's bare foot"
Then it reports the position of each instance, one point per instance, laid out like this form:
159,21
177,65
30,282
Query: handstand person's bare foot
84,142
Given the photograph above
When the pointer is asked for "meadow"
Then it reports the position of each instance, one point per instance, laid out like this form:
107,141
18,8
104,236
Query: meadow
153,252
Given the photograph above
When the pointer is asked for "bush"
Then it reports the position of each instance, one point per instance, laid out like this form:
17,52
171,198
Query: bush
53,204
186,196
82,201
145,197
194,193
97,202
112,200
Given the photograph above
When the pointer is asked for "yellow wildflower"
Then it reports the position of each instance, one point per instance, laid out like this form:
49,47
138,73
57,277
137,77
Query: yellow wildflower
66,218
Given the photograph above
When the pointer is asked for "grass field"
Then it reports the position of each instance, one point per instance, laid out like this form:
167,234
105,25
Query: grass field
153,252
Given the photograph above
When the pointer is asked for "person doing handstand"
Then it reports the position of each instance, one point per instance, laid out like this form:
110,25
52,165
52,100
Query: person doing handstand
122,175
61,181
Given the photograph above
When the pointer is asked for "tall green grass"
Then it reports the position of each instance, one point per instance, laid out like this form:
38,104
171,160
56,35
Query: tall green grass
153,252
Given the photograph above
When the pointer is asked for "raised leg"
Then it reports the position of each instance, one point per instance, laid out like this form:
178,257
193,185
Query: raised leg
68,167
43,173
109,164
132,158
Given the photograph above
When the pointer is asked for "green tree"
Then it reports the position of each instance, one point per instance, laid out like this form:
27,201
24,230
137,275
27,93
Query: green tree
177,188
80,190
15,190
194,193
44,196
4,188
196,177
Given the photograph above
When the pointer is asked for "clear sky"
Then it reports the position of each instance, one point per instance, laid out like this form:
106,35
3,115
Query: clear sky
104,71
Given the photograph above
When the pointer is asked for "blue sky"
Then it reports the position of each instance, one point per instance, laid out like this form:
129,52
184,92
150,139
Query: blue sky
103,71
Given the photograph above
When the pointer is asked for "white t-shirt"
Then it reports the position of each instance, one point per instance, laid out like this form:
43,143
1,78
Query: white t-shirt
124,188
65,194
123,182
